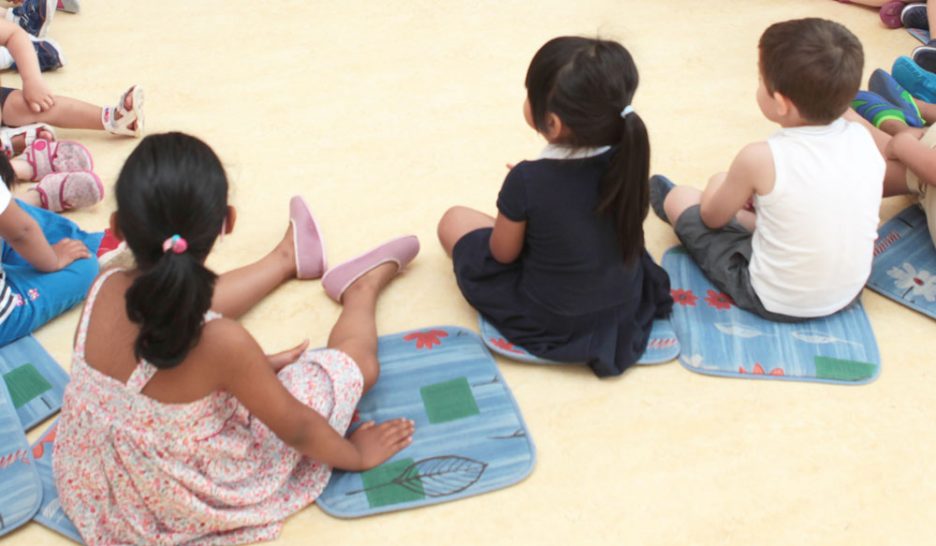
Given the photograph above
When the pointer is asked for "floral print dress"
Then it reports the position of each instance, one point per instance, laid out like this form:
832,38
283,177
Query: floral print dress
130,469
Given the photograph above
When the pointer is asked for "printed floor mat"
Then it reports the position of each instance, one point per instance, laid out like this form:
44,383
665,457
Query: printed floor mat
717,338
904,267
470,436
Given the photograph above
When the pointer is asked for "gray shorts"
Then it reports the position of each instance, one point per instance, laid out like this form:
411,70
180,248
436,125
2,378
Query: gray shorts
724,256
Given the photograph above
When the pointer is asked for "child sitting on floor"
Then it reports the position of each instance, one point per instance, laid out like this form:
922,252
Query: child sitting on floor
47,265
562,271
815,186
28,111
176,428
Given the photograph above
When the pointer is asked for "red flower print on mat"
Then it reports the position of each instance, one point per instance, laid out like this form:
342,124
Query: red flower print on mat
426,340
47,438
684,297
759,370
504,345
718,300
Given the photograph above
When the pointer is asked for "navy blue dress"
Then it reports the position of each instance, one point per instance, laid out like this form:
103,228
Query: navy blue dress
569,297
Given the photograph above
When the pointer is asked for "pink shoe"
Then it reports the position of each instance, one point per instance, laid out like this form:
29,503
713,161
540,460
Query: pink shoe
60,156
307,240
66,191
890,13
400,251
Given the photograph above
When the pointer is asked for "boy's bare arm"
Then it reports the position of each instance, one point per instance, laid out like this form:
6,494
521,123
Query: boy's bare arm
37,93
918,157
751,172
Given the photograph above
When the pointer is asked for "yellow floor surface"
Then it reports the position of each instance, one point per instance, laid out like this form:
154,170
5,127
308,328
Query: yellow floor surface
383,114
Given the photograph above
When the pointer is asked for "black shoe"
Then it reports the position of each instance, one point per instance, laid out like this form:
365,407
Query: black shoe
660,187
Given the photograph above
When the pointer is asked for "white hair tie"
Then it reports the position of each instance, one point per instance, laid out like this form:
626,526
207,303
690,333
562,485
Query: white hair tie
627,111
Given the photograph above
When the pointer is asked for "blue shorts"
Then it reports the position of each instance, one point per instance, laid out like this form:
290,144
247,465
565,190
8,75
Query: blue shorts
40,297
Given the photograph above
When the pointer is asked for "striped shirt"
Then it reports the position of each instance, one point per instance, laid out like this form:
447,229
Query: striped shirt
7,298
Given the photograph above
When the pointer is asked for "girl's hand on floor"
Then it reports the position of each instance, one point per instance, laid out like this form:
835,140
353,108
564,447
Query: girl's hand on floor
377,443
280,360
38,95
69,250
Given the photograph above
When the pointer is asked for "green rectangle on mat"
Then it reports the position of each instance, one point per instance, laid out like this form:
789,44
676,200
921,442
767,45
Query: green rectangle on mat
382,490
843,370
24,384
449,401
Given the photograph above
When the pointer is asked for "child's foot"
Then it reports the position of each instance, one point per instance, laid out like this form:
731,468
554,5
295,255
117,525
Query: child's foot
63,156
397,252
912,16
126,118
309,249
918,81
887,87
660,187
69,6
876,109
14,140
33,16
890,13
925,56
60,192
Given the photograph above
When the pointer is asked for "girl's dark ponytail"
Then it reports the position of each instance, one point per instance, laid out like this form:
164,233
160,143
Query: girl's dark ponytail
172,184
588,83
625,192
169,302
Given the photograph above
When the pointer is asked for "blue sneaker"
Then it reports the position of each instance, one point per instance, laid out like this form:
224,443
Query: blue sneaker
876,109
887,87
49,54
660,187
34,16
919,82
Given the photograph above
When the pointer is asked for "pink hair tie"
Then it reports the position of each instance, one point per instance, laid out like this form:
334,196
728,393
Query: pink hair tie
176,244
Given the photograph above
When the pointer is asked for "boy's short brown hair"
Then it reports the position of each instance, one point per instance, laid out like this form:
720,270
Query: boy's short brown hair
815,63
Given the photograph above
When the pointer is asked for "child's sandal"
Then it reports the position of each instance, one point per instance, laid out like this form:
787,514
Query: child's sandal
118,119
63,156
31,132
59,192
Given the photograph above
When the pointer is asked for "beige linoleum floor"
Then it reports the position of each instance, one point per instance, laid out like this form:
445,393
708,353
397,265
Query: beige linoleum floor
383,114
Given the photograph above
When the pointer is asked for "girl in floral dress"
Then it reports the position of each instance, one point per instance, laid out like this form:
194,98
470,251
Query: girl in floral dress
176,427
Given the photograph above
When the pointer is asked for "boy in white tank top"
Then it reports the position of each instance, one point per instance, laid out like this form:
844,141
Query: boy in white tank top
788,232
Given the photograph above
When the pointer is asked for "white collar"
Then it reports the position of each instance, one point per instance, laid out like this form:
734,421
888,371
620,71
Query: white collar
555,151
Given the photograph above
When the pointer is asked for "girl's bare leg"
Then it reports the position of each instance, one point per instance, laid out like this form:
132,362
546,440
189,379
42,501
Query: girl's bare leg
237,291
355,332
459,221
67,113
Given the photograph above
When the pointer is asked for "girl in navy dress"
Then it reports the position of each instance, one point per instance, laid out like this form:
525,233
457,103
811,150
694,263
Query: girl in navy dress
562,271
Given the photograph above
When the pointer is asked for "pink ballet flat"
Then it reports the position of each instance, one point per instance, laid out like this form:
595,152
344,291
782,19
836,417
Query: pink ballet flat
400,251
307,240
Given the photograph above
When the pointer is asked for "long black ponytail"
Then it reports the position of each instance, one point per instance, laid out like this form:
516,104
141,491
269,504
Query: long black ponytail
588,83
172,184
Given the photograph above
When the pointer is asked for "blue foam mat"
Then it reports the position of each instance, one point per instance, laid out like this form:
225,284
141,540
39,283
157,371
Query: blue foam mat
904,267
663,345
20,488
717,338
40,395
428,375
50,512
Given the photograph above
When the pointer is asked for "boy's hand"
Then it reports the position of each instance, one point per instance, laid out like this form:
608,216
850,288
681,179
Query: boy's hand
38,95
377,443
69,250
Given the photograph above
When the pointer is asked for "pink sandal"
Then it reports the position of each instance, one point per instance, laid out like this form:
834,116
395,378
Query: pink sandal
59,192
61,156
307,240
400,251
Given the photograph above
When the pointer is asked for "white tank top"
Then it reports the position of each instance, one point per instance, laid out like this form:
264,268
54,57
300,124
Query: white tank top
815,232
